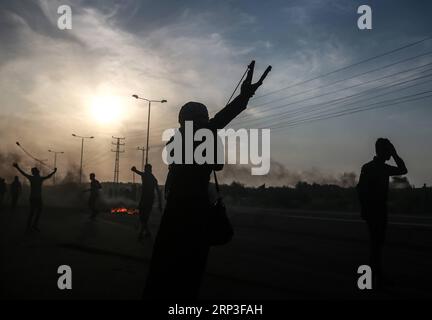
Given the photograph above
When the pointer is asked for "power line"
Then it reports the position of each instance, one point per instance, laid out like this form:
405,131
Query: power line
320,110
346,67
341,80
301,109
360,101
271,108
388,103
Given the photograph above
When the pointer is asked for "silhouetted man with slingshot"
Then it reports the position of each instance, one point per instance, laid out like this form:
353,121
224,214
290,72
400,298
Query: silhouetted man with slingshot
181,246
36,181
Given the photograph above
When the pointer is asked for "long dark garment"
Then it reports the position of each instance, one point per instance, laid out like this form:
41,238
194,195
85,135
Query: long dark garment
181,247
180,253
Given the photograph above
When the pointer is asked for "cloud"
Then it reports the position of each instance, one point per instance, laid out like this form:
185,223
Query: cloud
177,50
54,77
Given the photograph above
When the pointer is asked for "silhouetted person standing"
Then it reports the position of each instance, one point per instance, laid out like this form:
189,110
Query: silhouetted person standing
148,187
95,186
181,246
36,181
373,189
3,190
15,190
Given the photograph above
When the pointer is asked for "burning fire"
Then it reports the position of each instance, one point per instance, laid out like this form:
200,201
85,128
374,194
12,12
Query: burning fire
123,210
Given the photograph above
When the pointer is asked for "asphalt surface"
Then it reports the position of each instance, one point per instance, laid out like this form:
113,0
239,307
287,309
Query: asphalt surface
275,254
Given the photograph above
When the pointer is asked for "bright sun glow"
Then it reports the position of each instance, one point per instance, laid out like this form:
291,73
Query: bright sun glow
106,109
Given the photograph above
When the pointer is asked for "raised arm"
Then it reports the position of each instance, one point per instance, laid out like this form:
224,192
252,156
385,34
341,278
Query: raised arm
134,169
235,107
21,171
50,175
400,168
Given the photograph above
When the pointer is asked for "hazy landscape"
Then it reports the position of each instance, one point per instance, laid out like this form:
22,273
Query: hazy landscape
277,253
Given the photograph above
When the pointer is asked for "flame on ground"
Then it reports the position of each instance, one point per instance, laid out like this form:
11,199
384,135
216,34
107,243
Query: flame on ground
122,210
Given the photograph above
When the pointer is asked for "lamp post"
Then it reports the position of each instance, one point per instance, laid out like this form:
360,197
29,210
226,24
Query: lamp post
82,151
148,120
142,149
55,162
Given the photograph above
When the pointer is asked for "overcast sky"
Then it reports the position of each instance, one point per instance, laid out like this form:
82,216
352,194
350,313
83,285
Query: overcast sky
57,82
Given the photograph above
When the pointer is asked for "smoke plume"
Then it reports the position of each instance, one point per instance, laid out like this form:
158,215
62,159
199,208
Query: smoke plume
279,175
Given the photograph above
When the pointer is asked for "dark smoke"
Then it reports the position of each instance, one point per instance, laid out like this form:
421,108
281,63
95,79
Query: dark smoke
279,175
6,161
72,175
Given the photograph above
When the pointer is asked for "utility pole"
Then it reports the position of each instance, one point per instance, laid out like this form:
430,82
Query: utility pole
143,150
82,152
117,151
55,162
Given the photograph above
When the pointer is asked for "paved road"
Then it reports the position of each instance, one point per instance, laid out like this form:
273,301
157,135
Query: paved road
276,254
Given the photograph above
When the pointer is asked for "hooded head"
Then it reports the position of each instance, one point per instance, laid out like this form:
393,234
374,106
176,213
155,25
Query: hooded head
194,111
35,171
148,168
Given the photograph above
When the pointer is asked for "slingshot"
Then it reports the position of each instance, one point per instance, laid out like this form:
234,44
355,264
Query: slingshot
249,72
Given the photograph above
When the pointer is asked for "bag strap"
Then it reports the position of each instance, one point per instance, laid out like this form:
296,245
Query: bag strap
229,100
216,183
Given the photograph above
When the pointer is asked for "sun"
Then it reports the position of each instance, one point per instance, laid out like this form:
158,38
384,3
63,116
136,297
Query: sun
106,109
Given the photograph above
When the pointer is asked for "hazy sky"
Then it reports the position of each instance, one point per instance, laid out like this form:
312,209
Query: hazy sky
57,82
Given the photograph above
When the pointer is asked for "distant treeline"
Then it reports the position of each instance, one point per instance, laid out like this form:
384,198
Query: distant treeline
403,198
305,196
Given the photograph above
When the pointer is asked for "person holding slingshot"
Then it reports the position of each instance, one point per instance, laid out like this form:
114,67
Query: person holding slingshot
181,245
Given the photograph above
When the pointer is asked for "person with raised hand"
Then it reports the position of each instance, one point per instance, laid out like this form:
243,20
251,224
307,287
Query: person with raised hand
181,245
36,203
372,188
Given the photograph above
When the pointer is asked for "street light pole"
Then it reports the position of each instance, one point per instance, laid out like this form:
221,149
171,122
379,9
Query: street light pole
55,162
82,152
148,131
148,121
142,149
81,162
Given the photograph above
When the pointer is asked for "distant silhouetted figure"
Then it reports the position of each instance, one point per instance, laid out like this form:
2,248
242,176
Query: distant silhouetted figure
181,245
15,190
373,189
36,181
95,186
148,187
3,190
